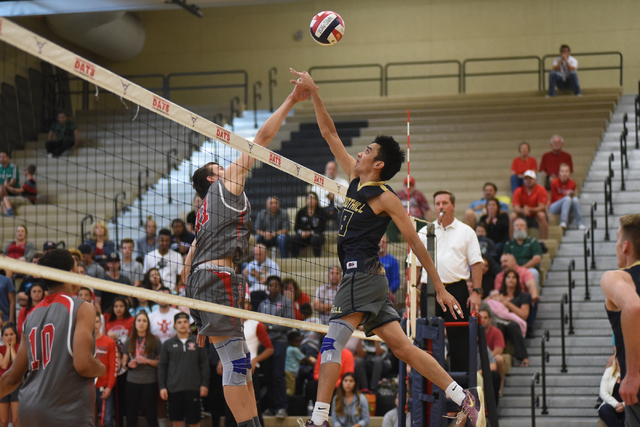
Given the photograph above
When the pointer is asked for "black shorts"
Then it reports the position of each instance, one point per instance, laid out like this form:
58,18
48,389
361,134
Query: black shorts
185,406
11,397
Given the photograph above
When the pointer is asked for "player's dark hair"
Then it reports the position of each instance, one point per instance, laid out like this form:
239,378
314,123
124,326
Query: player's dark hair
452,196
60,259
149,338
563,46
31,169
391,154
200,182
112,314
491,184
503,285
9,325
292,336
630,229
29,299
164,232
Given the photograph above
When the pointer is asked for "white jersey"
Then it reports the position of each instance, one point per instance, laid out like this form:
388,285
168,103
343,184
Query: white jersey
162,324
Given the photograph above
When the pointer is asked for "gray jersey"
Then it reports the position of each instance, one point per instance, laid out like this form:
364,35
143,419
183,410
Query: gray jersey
54,393
223,225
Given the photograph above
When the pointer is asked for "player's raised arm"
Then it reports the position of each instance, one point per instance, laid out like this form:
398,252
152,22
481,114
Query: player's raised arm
326,125
11,379
237,171
84,361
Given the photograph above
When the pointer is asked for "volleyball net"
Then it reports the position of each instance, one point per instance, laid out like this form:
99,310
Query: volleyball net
135,155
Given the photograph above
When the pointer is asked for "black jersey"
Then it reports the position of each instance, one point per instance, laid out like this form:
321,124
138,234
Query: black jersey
614,319
360,228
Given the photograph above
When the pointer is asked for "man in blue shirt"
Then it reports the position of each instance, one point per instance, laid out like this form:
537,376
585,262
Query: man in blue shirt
479,207
390,264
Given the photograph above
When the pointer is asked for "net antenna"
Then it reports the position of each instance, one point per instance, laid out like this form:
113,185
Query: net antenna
411,304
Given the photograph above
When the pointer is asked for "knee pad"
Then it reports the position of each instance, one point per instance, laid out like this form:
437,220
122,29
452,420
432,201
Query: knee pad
248,362
335,341
234,361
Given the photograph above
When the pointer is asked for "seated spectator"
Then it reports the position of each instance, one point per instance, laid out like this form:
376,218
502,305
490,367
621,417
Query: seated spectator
495,342
191,216
141,304
390,264
372,364
512,306
552,160
8,352
349,407
520,165
530,203
487,247
526,250
169,263
390,419
496,223
77,256
20,249
325,294
330,203
63,136
494,374
309,228
272,227
347,366
477,209
563,75
563,198
295,295
118,320
260,269
295,357
611,411
92,268
527,280
152,280
181,238
9,178
107,353
7,299
147,243
128,266
419,206
488,278
100,244
28,281
29,190
36,294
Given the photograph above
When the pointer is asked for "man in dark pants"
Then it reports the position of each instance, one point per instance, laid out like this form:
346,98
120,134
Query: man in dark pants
63,136
457,250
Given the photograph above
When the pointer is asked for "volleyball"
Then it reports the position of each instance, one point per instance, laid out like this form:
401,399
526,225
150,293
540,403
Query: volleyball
327,28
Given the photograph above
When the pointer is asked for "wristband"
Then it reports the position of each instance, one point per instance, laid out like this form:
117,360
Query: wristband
478,290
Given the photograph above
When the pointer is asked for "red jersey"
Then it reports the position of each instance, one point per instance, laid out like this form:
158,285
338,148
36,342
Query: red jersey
551,162
494,338
304,299
3,351
347,365
522,197
520,166
106,353
122,328
560,189
22,316
15,250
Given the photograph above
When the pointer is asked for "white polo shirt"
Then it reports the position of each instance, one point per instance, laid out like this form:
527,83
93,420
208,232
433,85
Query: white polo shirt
457,248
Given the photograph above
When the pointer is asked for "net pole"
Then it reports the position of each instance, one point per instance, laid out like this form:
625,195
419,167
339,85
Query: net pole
411,279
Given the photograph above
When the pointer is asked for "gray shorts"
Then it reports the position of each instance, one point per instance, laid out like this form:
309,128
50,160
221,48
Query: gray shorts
632,415
366,293
220,285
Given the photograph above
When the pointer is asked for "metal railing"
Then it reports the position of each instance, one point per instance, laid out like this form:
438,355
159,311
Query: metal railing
116,213
535,400
256,97
171,163
244,85
608,198
587,252
272,82
389,65
572,284
564,319
233,111
378,67
594,224
545,360
84,234
583,69
537,70
636,106
624,160
142,189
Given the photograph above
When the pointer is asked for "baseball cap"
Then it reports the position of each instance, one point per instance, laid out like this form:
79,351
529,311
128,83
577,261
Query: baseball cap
411,180
49,245
113,257
84,249
530,173
180,315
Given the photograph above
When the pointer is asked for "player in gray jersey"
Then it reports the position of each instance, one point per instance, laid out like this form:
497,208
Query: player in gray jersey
58,351
223,228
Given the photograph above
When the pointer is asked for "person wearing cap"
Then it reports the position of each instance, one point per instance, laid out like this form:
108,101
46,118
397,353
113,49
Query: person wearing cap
419,207
48,246
530,203
103,298
183,374
521,164
91,268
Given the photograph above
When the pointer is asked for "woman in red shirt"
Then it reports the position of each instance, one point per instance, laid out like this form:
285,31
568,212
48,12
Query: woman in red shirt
9,403
521,164
119,321
20,249
297,297
36,293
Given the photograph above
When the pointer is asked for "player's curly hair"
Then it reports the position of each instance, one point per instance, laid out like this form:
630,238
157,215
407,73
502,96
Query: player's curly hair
391,154
56,258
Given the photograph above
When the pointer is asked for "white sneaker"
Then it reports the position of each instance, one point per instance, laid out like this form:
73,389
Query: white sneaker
582,227
563,225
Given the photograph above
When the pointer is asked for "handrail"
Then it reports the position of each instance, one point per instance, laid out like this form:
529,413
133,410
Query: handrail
583,69
608,206
537,70
233,111
83,232
146,187
244,85
256,97
417,77
170,165
587,252
563,321
545,359
360,80
272,82
636,106
535,400
572,284
594,224
115,216
624,161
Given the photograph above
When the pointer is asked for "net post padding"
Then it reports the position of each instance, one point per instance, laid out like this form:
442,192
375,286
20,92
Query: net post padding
39,271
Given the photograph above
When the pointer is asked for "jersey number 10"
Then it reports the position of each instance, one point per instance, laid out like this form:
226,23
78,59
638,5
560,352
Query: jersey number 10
46,338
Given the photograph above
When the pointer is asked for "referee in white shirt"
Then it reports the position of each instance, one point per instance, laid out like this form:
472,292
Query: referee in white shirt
458,258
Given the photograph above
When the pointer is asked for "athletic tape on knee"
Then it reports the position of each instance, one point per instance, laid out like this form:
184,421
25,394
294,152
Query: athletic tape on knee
335,341
248,364
234,361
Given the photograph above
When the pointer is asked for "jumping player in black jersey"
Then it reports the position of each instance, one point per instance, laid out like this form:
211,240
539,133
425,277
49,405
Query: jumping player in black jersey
58,351
363,295
223,227
622,289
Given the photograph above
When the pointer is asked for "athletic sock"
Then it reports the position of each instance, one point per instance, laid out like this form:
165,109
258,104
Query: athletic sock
455,392
256,421
10,211
320,413
248,423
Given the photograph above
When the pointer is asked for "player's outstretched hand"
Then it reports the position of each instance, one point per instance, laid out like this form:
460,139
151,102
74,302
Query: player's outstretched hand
304,80
629,388
449,302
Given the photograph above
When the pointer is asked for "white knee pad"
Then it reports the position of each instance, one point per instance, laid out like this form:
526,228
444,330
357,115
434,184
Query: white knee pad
234,361
335,340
